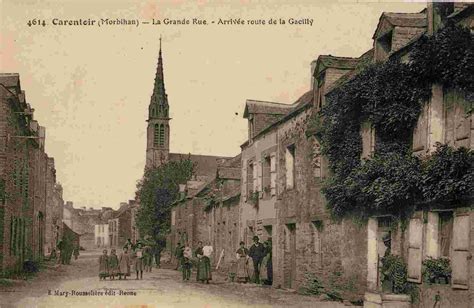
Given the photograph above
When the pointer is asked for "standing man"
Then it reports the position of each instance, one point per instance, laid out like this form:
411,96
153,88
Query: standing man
157,254
257,252
179,255
186,267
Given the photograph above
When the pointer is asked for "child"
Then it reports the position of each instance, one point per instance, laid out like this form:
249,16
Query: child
103,265
113,264
147,258
138,256
124,263
187,254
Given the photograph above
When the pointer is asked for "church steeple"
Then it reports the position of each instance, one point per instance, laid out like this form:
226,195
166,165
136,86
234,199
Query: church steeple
159,100
158,130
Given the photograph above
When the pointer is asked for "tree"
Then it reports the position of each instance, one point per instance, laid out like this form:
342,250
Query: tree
157,191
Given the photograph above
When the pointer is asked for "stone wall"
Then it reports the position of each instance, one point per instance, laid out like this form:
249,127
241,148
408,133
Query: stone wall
335,252
19,159
223,221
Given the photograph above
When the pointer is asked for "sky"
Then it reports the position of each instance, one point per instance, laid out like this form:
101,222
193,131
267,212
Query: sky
90,86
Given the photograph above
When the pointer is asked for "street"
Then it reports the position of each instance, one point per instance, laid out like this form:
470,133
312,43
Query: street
53,287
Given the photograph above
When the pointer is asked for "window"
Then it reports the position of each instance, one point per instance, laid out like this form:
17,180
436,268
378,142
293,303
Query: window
266,180
320,98
156,135
162,134
273,174
290,166
384,46
316,227
316,157
255,176
445,234
251,127
289,233
250,178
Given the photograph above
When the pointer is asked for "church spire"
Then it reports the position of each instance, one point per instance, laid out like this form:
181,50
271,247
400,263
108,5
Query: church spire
159,96
158,128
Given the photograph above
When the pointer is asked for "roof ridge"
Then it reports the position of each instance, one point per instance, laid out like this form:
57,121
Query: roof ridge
266,102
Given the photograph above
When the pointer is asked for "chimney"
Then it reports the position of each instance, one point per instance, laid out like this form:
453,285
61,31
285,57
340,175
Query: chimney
437,12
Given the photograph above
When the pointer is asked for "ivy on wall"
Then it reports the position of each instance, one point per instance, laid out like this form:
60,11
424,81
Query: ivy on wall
390,96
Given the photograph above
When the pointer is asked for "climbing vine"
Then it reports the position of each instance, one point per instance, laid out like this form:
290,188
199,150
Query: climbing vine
390,97
448,175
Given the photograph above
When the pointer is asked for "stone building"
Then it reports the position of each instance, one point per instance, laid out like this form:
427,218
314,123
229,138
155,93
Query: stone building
445,120
258,190
208,211
83,221
120,226
305,239
27,181
158,153
54,208
101,235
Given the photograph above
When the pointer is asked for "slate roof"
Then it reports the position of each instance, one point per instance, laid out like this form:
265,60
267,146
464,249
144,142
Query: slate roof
229,173
405,20
10,79
300,104
194,187
233,162
204,165
412,20
303,100
325,61
365,58
255,106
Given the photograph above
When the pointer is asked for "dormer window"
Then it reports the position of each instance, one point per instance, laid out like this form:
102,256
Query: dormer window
251,127
320,98
384,46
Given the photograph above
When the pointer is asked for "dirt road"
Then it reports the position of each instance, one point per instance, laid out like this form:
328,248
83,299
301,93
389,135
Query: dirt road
78,285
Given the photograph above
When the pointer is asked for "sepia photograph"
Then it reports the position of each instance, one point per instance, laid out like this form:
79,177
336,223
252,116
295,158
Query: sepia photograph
236,153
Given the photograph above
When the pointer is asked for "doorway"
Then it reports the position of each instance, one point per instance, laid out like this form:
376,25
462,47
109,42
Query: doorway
290,255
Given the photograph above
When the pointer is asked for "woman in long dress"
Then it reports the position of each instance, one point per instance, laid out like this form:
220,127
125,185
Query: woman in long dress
264,266
103,265
203,266
113,264
187,264
124,263
242,263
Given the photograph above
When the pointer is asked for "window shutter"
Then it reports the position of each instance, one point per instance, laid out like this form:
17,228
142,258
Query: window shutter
372,255
244,179
415,240
432,231
254,177
259,179
460,254
273,174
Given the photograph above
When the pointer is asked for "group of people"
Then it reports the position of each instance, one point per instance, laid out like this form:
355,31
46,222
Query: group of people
138,257
201,261
66,250
261,256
